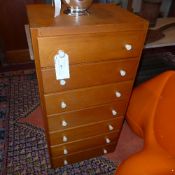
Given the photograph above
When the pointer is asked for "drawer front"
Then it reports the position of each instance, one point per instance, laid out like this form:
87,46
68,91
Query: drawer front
81,145
87,97
85,75
79,156
86,116
85,131
90,47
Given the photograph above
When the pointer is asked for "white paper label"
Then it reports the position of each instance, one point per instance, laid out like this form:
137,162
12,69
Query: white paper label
62,65
57,7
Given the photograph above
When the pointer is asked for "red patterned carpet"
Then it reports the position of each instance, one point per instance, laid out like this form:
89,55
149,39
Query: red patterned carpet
24,148
34,118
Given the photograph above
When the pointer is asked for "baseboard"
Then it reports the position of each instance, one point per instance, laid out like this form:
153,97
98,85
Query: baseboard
17,56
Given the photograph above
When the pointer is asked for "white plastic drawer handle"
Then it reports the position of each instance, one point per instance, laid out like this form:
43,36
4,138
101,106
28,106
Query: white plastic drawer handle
122,73
63,105
105,151
65,139
114,112
65,151
64,123
108,140
110,127
65,162
62,82
118,94
128,47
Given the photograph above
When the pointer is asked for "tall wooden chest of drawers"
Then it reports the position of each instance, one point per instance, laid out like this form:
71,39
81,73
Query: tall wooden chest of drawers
84,114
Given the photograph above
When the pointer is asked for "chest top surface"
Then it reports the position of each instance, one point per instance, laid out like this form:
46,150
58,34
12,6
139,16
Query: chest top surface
101,18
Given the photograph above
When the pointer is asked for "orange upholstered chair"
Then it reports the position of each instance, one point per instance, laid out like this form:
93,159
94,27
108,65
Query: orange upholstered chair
151,115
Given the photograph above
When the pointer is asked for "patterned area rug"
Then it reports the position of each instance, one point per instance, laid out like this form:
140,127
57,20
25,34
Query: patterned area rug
23,148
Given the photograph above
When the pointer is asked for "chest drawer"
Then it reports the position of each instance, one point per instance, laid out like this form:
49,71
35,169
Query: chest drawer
90,47
85,131
82,155
81,145
93,74
87,97
86,116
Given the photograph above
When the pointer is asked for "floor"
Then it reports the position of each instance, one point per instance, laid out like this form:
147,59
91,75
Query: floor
128,142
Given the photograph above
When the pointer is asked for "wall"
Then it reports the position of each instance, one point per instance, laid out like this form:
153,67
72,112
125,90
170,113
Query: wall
164,7
12,19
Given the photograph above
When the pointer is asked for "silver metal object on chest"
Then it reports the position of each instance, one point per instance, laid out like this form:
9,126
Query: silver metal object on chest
77,7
